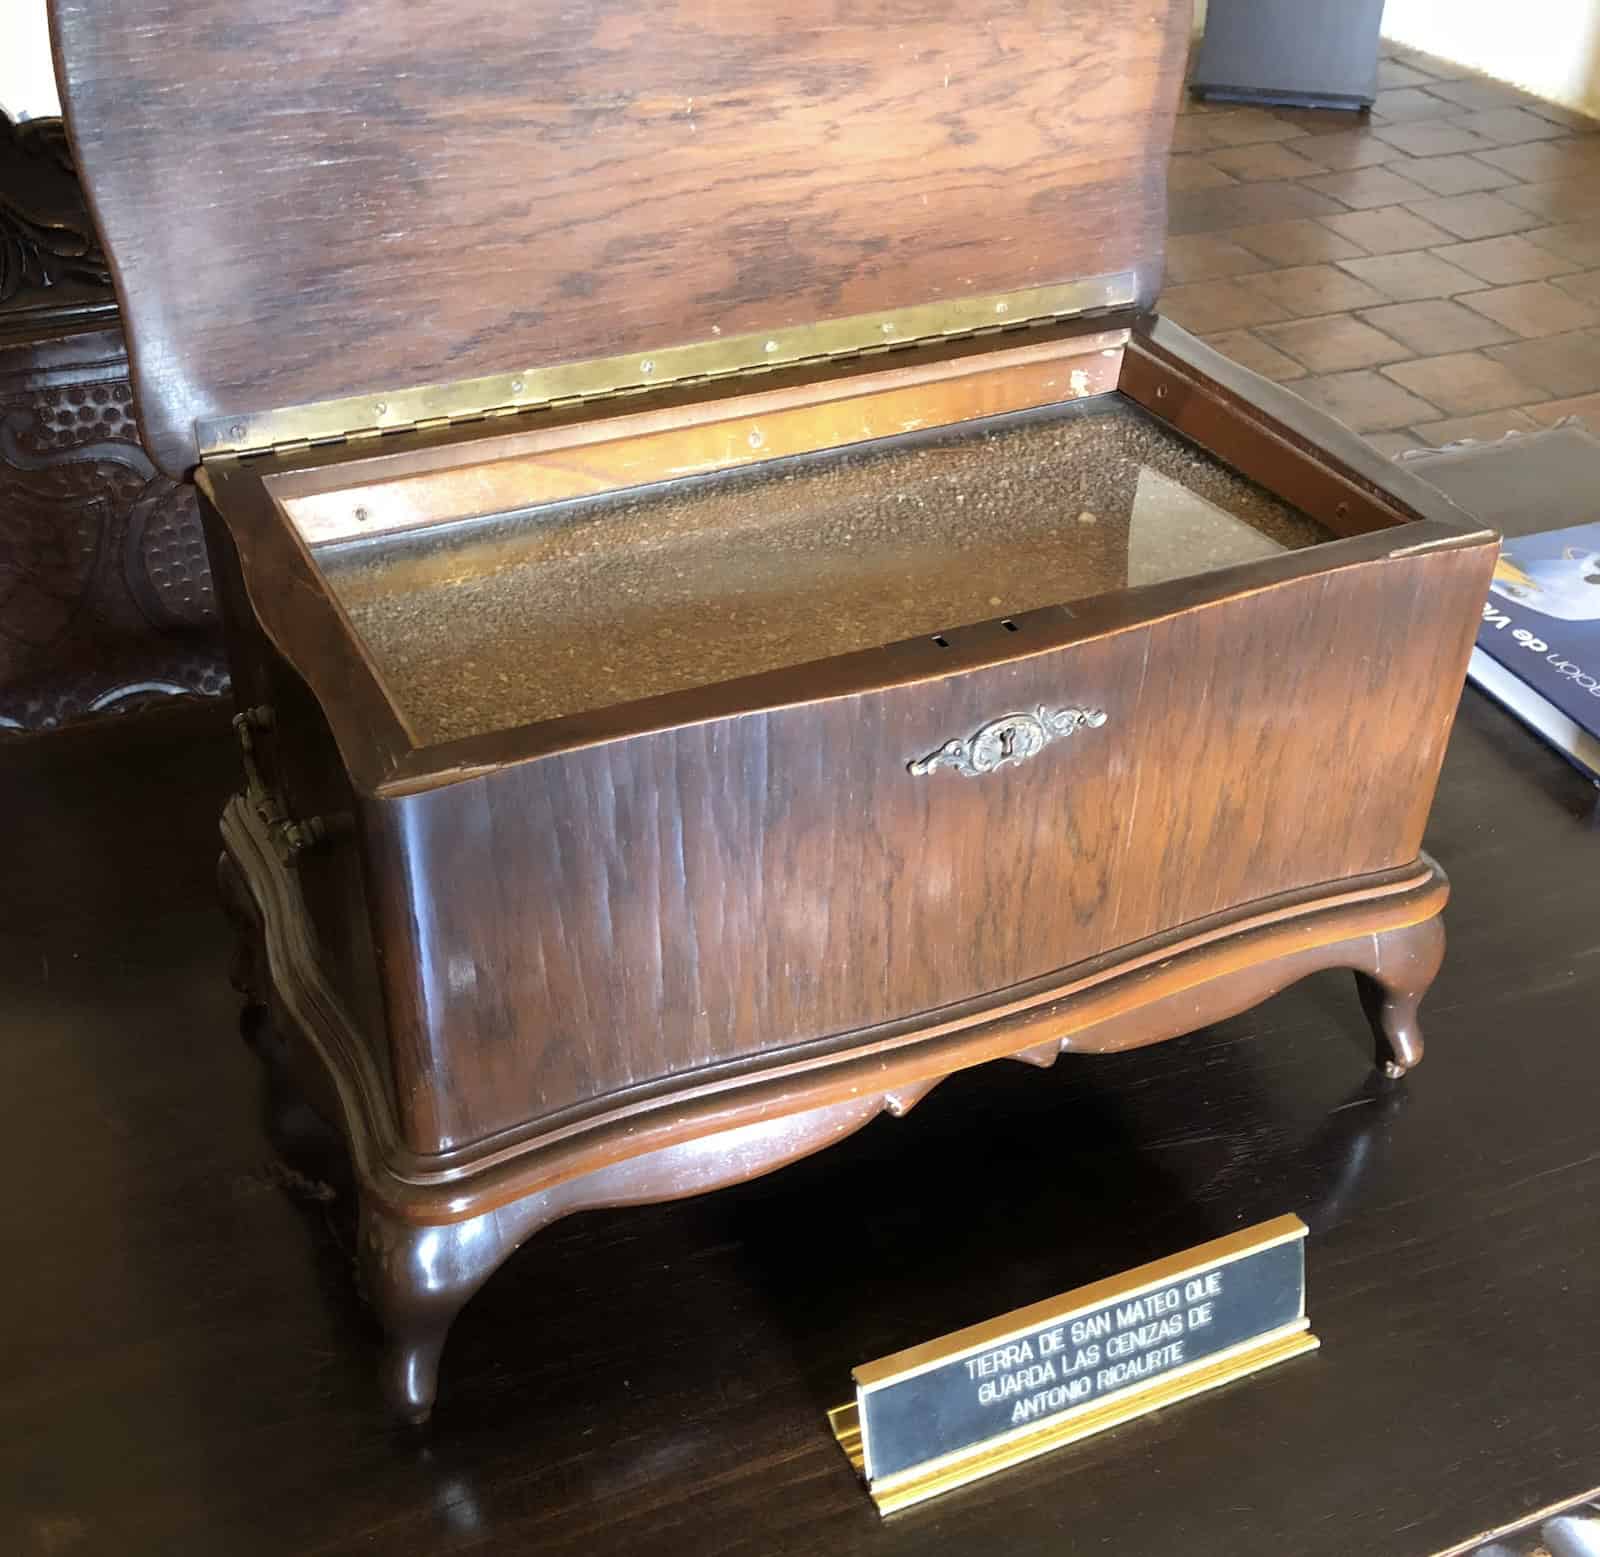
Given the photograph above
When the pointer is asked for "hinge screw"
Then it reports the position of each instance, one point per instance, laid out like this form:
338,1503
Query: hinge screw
771,346
381,408
647,366
361,516
516,386
1002,308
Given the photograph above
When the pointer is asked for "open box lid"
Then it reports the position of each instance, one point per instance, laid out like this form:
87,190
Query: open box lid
328,217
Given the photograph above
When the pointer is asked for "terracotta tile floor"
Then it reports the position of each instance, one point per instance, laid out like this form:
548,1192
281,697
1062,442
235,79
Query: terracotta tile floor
1426,273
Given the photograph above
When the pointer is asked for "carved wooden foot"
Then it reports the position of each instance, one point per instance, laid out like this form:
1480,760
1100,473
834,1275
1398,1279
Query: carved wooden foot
418,1279
1404,963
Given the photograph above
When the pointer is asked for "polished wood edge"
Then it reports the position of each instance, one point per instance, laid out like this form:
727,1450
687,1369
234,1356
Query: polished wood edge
910,662
1141,994
262,897
302,620
609,453
1279,439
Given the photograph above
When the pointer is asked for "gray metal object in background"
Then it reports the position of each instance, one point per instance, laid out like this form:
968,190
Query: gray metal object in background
1305,53
1574,1533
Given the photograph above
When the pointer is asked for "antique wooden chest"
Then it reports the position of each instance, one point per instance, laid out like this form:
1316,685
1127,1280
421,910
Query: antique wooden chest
739,606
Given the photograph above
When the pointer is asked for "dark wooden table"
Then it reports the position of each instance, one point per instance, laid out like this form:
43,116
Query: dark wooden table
187,1367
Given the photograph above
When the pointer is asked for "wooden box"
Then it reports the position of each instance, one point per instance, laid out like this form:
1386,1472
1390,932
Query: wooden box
739,606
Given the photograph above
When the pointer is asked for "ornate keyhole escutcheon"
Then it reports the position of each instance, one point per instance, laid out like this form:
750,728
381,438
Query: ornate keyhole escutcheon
1007,741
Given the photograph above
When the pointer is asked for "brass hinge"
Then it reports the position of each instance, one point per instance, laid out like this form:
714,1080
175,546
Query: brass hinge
576,383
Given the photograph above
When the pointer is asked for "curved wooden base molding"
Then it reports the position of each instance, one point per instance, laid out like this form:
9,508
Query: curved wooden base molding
434,1229
419,1275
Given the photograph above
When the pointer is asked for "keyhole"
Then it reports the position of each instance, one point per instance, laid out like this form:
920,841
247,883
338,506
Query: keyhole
1008,743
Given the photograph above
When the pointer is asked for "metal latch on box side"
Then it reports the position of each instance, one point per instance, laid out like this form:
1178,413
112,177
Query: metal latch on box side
573,383
290,837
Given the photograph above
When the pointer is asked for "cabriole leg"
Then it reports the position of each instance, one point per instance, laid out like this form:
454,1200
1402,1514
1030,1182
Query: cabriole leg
1404,964
418,1279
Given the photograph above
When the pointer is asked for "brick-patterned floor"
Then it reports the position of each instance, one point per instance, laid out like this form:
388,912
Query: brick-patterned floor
1428,273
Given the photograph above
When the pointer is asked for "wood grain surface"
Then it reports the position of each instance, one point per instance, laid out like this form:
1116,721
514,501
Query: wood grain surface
730,888
1385,927
356,197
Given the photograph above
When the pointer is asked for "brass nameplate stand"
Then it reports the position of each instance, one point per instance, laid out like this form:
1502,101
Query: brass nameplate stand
934,1417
